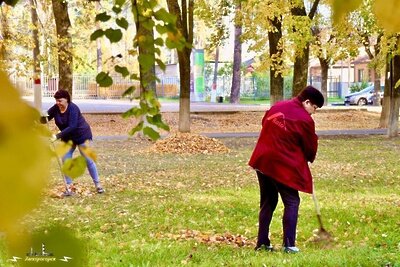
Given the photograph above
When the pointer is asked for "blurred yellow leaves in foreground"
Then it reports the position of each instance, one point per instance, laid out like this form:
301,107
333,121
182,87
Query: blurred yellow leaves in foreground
387,12
24,157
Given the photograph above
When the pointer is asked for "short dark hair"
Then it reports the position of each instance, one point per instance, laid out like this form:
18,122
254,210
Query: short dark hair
62,94
313,94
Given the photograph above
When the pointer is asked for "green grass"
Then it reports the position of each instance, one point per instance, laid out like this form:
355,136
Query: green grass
159,209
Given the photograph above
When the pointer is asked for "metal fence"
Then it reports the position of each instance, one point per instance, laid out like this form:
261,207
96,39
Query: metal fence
85,86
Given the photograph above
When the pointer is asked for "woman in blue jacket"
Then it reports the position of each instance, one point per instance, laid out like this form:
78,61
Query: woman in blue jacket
73,127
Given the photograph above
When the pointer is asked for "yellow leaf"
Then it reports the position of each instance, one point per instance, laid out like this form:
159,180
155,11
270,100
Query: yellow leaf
24,157
342,7
89,152
61,148
387,13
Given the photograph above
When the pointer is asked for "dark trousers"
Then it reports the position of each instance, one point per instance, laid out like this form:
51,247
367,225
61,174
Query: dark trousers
269,190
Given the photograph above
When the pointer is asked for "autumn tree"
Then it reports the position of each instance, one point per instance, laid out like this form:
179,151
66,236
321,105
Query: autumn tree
370,35
264,26
5,34
148,17
331,44
387,19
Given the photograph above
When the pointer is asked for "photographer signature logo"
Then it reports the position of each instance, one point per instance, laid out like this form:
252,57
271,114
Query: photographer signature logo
42,256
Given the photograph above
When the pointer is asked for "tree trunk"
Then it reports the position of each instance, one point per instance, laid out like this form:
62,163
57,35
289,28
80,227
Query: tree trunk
64,40
184,23
393,125
35,38
237,59
146,47
99,54
300,71
275,51
376,100
384,119
324,78
5,35
184,98
35,53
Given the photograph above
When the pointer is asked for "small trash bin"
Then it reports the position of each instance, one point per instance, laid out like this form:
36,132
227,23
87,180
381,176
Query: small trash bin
220,99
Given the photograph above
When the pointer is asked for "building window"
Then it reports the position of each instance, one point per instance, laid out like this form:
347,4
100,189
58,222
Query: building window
361,75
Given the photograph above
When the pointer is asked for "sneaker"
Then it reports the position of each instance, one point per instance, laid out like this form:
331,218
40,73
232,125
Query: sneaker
100,190
264,248
291,249
67,193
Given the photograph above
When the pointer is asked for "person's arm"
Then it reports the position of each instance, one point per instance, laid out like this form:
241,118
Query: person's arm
49,116
72,122
310,141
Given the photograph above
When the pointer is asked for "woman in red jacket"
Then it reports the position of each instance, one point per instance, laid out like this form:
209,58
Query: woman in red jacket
286,144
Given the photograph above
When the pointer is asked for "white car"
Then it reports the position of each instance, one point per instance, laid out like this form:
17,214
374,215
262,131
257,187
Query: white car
363,97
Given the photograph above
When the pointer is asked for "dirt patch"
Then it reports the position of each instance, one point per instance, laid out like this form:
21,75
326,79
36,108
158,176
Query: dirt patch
114,124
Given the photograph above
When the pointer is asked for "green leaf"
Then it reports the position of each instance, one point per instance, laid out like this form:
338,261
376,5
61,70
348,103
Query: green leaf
146,61
103,17
134,76
157,120
135,111
159,41
153,111
161,29
150,132
114,35
96,34
122,70
120,3
122,22
161,64
11,2
103,79
164,15
129,91
148,24
137,128
149,96
116,9
74,167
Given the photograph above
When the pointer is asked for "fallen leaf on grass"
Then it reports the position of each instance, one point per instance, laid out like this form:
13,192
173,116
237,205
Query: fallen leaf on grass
227,238
187,143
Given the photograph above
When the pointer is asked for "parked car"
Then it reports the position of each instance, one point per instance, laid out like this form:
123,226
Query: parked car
363,97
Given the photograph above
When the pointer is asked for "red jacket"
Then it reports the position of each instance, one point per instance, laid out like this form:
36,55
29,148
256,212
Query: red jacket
286,144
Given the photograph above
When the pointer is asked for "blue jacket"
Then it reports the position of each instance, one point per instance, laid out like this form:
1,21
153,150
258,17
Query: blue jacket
71,123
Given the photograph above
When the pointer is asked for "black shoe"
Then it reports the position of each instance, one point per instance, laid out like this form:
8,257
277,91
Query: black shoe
269,248
100,190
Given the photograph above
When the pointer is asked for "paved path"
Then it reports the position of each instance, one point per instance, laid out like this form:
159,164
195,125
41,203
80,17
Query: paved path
111,106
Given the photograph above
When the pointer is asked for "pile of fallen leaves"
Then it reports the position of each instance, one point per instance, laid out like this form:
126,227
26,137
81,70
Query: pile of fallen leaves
188,143
236,240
